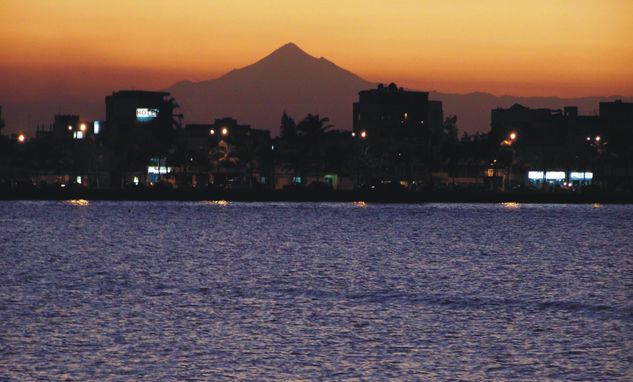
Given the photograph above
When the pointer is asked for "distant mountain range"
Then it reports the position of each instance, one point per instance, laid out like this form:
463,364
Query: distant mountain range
291,80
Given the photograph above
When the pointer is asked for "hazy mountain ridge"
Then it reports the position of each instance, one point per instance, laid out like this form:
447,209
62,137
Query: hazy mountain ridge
293,81
288,80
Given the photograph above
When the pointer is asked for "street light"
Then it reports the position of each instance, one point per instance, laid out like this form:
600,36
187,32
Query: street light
510,140
21,138
212,132
363,134
225,131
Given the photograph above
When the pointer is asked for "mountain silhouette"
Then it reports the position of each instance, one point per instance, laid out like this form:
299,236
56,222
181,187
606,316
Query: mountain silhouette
293,81
287,80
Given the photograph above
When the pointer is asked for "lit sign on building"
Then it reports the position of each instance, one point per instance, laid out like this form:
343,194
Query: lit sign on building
144,114
158,170
536,175
580,175
555,175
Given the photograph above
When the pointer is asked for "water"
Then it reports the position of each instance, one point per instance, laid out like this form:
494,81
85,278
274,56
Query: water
213,291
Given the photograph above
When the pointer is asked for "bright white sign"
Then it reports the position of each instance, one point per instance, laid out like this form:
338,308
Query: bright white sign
144,114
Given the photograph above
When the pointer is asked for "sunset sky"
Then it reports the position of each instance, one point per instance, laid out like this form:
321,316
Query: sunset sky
85,49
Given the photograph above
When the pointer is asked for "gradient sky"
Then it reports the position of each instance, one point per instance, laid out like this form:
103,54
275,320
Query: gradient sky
85,49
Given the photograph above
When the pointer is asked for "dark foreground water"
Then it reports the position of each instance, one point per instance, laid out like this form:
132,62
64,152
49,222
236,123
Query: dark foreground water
208,291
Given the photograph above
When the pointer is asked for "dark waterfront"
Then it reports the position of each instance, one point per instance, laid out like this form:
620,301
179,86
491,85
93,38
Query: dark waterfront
98,290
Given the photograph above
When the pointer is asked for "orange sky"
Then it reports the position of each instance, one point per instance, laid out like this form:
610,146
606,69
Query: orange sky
85,49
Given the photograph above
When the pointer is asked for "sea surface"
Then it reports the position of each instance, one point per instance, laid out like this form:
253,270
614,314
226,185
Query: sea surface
97,290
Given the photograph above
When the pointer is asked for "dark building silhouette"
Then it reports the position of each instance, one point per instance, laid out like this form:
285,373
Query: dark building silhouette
389,111
563,141
398,128
617,123
139,126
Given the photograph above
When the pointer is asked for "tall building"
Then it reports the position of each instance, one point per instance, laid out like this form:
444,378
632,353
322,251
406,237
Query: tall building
139,126
127,109
399,131
390,112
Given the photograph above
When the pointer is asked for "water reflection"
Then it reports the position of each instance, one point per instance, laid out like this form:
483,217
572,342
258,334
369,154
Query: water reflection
218,202
314,291
78,202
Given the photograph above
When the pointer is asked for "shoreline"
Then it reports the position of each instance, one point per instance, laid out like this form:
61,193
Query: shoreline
410,197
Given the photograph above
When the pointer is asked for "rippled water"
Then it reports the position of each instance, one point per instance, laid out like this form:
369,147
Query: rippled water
208,291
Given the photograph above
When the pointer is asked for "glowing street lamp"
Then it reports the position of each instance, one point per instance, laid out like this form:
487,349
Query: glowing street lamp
511,138
21,138
225,131
82,127
363,134
212,132
598,138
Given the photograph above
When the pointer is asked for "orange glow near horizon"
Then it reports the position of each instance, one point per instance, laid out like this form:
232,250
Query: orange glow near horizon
523,48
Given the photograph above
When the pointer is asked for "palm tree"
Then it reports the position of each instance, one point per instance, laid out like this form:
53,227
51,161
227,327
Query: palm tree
311,133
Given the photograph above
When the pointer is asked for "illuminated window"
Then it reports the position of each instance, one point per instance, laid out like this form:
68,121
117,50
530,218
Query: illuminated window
78,134
136,180
296,179
96,127
78,179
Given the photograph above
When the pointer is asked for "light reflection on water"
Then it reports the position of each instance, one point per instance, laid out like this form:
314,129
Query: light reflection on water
205,290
